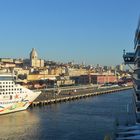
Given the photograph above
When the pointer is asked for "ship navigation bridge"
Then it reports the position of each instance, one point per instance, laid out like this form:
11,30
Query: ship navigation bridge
128,57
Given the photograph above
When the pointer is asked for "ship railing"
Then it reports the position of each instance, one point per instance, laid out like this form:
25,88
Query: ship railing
136,79
138,115
137,58
136,88
136,67
137,44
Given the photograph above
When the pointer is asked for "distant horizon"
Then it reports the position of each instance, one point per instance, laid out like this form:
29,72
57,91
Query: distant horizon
92,31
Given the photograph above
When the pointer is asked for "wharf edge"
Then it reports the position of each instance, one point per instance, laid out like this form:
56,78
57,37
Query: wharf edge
75,97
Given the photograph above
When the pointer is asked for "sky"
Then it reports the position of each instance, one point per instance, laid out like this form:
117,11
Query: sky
89,31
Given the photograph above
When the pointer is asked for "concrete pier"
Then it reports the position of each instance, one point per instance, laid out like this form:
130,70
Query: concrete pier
50,98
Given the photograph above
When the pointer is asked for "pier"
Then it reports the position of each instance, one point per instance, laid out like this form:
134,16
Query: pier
68,94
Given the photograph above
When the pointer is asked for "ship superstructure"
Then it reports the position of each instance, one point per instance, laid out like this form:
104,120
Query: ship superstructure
132,132
134,58
14,97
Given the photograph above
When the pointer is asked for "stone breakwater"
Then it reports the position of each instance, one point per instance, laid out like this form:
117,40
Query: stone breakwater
50,97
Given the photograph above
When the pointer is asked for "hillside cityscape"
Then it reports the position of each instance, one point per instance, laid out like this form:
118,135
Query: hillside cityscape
37,73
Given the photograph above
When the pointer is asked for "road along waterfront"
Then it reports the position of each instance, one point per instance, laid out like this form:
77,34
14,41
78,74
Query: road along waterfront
67,94
88,118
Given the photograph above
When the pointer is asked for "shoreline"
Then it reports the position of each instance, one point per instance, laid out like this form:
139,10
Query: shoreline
67,95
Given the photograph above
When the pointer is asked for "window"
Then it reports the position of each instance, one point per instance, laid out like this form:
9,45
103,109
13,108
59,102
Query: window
138,64
138,87
138,76
6,78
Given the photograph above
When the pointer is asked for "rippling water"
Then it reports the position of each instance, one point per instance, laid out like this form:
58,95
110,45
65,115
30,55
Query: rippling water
86,119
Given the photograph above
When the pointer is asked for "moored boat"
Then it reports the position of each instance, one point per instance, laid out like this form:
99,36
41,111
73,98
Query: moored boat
14,97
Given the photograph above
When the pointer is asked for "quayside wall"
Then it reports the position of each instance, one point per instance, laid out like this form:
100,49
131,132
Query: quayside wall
51,98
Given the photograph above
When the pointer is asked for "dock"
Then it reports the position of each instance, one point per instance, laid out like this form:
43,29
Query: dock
49,97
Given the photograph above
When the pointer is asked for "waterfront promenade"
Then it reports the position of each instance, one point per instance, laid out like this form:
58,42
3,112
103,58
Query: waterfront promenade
54,95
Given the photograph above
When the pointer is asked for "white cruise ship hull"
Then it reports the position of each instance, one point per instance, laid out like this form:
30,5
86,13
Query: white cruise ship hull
17,102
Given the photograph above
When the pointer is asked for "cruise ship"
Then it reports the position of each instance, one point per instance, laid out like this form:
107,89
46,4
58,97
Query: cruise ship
132,132
13,96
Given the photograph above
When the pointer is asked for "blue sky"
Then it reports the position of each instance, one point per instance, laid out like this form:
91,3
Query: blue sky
90,31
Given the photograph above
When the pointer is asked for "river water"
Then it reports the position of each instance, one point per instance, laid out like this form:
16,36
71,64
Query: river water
85,119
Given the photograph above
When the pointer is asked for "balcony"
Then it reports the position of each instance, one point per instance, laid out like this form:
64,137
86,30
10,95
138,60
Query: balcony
137,68
136,79
137,100
137,103
137,42
136,88
138,116
128,58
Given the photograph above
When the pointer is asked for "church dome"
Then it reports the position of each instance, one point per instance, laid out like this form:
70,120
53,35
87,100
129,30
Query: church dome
33,54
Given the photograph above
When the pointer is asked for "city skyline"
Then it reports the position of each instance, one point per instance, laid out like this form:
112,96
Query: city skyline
34,54
93,31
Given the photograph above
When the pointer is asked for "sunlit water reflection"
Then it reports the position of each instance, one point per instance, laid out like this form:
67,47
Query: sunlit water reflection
90,118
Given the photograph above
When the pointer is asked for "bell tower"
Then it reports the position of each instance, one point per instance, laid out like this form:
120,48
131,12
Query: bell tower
33,58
